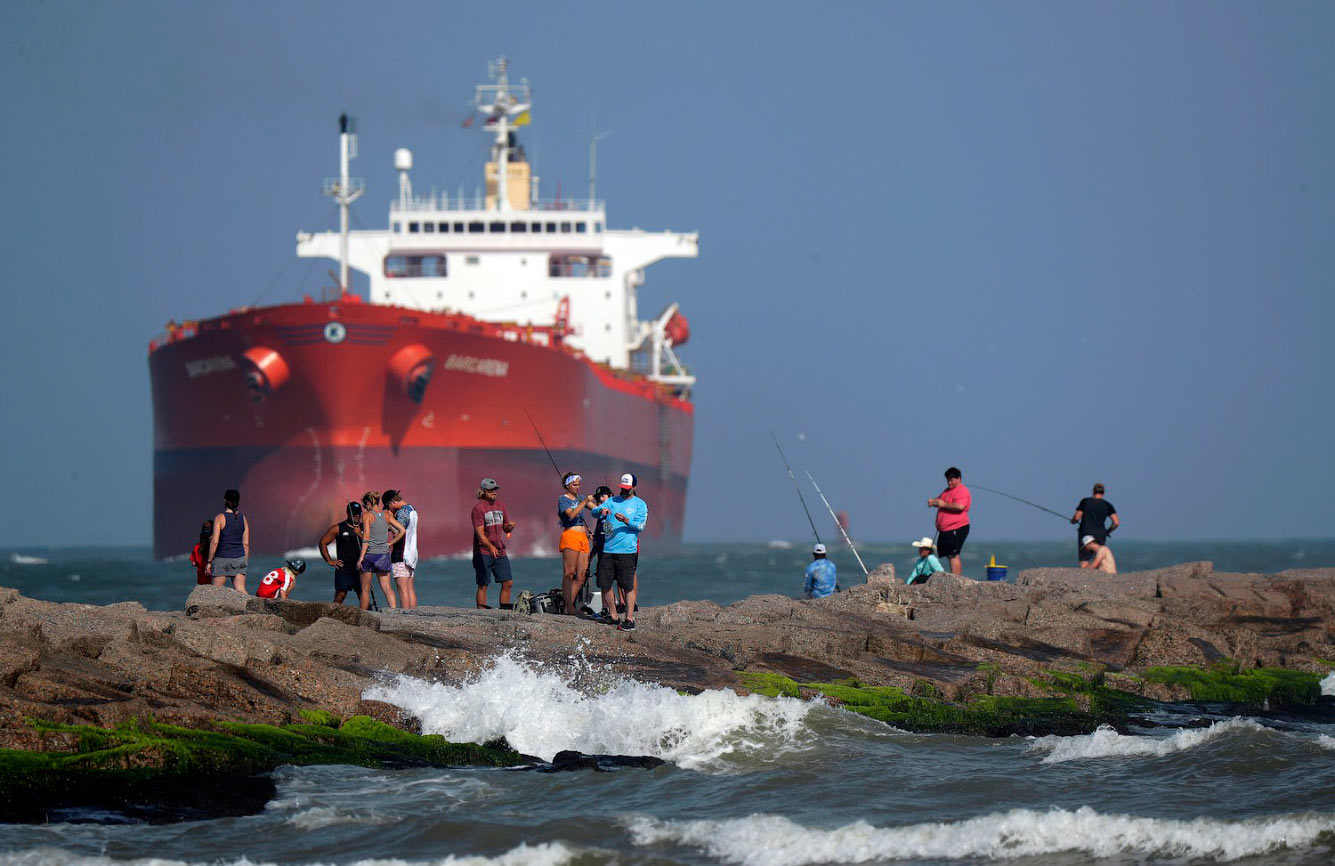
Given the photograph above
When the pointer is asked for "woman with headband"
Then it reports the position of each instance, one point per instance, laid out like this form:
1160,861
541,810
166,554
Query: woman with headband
574,544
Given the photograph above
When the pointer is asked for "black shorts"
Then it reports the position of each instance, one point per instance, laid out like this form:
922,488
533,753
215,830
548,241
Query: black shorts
951,542
487,568
617,568
347,580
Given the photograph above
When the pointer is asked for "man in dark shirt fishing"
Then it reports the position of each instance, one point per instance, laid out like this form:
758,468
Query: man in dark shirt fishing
1092,515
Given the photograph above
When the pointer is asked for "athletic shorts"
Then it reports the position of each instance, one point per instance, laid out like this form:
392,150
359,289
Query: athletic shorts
347,580
400,569
951,542
487,568
227,567
377,562
618,568
574,538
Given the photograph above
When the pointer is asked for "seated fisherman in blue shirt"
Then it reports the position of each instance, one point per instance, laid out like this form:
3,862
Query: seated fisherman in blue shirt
928,564
822,576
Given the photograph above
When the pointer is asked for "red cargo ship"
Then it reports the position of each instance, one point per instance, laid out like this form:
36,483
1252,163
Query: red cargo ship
493,323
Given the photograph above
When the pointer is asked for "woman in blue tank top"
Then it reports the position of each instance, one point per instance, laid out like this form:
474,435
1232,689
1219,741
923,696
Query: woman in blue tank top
229,549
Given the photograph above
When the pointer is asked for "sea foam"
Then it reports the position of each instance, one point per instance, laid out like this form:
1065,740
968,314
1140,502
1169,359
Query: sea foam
547,854
1328,684
540,713
1106,742
772,840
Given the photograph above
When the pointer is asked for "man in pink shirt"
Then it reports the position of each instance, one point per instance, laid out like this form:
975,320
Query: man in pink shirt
952,518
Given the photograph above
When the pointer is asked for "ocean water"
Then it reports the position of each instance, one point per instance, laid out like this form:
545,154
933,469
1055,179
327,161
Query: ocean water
748,780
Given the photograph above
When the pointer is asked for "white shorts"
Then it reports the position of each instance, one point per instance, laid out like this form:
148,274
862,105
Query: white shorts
401,569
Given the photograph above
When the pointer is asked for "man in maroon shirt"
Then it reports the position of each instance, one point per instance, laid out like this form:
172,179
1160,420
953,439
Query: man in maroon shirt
491,524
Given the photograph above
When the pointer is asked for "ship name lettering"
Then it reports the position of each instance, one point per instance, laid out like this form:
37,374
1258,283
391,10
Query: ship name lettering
481,366
204,366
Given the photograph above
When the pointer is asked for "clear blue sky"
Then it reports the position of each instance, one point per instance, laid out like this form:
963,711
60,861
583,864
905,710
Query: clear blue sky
1050,243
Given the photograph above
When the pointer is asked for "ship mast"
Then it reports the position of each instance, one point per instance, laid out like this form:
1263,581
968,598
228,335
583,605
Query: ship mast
499,102
344,190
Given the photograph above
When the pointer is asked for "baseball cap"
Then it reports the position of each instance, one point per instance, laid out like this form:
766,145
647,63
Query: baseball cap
354,510
628,480
489,484
1088,539
820,548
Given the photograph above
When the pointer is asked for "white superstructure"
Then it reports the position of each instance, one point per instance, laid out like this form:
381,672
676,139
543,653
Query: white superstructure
508,256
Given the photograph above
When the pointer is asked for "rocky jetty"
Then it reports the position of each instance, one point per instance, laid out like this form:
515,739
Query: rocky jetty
1058,649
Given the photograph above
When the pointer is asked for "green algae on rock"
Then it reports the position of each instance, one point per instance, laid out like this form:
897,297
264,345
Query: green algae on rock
1225,682
983,715
159,773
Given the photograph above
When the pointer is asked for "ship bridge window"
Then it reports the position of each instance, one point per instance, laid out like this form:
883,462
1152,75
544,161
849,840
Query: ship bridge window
497,228
581,228
565,228
443,228
551,228
597,228
518,228
414,228
398,227
476,227
429,228
537,228
575,265
458,228
425,265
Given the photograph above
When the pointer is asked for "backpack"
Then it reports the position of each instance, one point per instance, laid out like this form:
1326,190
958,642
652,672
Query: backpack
524,602
550,601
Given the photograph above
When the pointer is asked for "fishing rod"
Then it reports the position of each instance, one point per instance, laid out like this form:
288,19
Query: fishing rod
1018,499
842,531
338,464
795,487
543,441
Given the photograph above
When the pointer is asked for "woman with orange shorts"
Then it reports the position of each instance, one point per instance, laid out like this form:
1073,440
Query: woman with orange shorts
574,545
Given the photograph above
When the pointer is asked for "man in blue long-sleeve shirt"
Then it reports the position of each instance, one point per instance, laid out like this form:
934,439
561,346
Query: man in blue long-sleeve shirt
822,576
626,515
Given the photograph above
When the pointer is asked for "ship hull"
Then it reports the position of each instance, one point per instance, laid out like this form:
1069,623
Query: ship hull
301,415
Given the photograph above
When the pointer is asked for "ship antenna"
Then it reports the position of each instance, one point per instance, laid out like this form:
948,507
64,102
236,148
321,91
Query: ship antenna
499,103
543,441
593,167
344,190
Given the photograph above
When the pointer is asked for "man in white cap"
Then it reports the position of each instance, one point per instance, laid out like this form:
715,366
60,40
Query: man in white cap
822,576
928,564
1101,556
626,515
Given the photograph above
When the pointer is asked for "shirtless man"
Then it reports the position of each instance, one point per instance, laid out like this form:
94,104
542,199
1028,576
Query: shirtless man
1101,556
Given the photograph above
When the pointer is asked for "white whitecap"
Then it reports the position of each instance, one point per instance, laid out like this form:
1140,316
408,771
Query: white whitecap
773,840
1326,741
540,713
1107,743
24,559
303,553
1328,684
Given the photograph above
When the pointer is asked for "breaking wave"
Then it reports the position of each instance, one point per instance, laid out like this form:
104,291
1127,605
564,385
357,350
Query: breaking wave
1328,684
540,713
772,840
1106,742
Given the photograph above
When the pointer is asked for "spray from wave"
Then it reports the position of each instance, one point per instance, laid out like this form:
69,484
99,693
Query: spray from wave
1328,684
1106,742
540,713
771,840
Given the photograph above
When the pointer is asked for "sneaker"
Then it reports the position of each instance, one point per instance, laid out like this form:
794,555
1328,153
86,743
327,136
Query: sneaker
627,625
604,617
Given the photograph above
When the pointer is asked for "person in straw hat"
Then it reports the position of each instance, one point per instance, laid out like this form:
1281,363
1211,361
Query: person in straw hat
927,565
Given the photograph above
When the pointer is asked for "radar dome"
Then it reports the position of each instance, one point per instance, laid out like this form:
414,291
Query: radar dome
403,159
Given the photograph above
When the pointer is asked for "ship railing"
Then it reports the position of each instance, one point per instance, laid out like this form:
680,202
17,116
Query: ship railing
478,204
173,332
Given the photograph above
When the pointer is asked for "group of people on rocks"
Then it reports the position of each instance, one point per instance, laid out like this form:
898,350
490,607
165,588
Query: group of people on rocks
1095,518
378,540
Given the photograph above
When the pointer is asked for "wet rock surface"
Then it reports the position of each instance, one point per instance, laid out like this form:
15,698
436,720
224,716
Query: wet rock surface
231,657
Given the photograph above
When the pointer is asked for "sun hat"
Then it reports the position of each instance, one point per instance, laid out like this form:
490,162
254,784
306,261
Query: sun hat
925,542
1087,540
820,548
